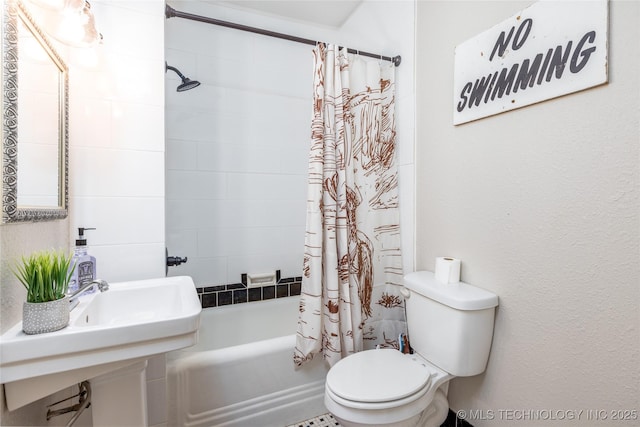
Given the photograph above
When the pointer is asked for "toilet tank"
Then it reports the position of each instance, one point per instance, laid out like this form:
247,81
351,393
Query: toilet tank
450,325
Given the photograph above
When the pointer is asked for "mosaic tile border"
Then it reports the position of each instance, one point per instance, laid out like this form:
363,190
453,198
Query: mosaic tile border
327,420
238,293
324,420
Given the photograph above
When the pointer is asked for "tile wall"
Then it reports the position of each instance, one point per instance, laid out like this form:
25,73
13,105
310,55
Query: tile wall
116,138
236,150
237,293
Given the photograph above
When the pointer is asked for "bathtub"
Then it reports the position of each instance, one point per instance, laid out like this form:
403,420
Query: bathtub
241,372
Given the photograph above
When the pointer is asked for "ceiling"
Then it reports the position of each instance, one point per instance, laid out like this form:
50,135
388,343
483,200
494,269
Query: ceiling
333,13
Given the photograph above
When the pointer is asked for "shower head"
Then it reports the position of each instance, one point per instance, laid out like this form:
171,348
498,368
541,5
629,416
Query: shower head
187,83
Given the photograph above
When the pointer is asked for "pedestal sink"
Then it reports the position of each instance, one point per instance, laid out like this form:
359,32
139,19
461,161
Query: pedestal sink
107,332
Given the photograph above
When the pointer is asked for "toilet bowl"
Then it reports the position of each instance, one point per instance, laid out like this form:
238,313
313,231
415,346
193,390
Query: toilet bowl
451,330
386,388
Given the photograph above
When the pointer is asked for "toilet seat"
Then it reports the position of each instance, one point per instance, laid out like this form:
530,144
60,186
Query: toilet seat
378,378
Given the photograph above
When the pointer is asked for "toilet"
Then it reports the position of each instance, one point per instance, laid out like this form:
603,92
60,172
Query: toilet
450,329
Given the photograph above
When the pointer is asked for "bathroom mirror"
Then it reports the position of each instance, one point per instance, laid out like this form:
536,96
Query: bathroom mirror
35,121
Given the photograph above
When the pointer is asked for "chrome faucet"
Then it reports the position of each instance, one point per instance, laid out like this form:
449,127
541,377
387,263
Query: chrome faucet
73,298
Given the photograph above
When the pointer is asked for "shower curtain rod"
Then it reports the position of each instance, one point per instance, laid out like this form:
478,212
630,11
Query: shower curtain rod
171,12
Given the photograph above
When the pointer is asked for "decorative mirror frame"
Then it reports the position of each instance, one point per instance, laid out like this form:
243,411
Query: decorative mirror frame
11,212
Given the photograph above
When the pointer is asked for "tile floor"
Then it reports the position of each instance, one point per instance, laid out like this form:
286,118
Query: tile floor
325,420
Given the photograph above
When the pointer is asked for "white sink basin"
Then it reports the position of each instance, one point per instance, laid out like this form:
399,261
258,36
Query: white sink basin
128,323
135,303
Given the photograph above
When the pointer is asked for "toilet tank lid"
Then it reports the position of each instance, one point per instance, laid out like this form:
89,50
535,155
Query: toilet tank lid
461,296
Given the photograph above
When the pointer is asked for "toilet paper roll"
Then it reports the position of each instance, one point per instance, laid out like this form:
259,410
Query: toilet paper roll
447,270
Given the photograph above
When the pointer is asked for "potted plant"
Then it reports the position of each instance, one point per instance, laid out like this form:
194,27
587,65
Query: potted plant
46,277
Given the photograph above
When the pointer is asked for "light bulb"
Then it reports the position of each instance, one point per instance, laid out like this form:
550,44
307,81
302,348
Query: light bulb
73,24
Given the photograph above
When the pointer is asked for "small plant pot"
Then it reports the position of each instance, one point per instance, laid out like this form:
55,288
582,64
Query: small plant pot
41,317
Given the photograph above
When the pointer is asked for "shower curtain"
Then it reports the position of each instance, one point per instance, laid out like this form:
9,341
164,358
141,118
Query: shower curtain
350,298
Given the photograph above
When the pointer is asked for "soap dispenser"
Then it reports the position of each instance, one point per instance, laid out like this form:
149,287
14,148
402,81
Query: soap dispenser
85,264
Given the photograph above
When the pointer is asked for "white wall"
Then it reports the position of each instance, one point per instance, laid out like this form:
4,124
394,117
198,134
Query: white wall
116,163
237,146
542,206
116,159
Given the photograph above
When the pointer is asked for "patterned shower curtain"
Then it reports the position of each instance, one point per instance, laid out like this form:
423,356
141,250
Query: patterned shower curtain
351,297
